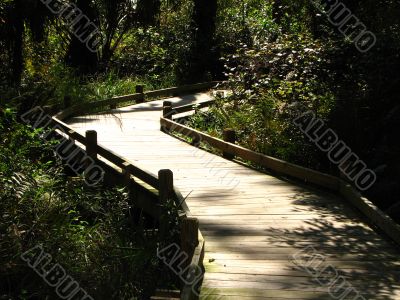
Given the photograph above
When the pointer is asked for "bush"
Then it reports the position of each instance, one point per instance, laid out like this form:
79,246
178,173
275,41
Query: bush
89,232
270,84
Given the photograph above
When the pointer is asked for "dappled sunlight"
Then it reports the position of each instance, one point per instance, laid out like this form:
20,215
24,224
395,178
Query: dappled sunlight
253,228
263,247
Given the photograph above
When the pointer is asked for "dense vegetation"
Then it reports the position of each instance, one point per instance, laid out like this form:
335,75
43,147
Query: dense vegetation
91,232
278,58
286,57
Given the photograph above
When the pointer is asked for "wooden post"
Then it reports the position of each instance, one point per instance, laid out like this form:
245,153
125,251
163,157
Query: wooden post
230,137
166,193
167,110
140,90
166,182
126,172
67,101
70,134
196,140
128,182
167,113
189,237
91,144
91,151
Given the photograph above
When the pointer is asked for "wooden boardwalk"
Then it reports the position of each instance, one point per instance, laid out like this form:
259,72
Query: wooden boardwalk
266,238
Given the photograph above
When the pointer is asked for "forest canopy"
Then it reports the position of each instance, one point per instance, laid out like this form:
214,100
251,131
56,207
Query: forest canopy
286,71
339,59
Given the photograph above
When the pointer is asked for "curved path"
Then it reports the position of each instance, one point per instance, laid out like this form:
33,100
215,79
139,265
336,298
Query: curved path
266,238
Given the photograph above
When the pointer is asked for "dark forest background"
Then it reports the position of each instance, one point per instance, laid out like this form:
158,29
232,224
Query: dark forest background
275,56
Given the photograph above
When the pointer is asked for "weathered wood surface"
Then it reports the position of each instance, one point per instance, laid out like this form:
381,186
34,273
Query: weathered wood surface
254,223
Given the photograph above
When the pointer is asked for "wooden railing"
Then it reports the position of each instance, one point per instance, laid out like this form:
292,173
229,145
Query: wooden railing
230,150
192,241
139,97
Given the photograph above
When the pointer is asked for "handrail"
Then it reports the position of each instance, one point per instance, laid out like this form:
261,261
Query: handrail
269,162
147,177
138,97
190,107
163,182
174,91
333,183
108,154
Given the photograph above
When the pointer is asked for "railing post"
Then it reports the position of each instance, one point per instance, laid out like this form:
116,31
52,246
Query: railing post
140,90
166,193
70,134
167,110
91,144
128,181
167,114
230,137
189,237
126,173
196,140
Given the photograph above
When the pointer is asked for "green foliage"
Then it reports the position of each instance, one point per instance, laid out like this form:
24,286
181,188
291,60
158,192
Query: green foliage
271,83
90,232
60,81
282,57
145,53
279,56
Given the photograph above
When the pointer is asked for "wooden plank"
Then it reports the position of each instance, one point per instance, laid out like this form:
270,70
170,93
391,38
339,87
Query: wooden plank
288,265
274,270
290,282
329,257
252,229
277,165
290,290
212,291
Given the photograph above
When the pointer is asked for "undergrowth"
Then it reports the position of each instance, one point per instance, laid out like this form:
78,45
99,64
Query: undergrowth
90,232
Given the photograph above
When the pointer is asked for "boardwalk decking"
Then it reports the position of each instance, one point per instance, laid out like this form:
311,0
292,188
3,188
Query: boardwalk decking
254,223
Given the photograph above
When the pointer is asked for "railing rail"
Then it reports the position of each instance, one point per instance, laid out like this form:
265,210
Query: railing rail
133,98
274,164
163,182
165,186
376,216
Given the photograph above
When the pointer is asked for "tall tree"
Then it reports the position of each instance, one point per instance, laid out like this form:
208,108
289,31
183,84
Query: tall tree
119,16
277,11
78,54
203,26
113,18
17,16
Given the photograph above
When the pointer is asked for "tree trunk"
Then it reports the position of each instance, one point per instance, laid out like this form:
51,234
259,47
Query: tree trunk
203,26
17,59
277,11
79,55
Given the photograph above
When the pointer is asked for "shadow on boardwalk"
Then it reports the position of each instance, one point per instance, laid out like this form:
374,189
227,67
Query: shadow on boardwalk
342,242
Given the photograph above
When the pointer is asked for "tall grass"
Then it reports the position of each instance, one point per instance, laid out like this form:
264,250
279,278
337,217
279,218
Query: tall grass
60,81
